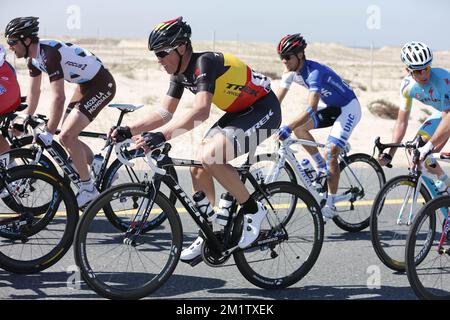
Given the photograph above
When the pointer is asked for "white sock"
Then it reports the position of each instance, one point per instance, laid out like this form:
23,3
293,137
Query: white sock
444,178
331,199
87,185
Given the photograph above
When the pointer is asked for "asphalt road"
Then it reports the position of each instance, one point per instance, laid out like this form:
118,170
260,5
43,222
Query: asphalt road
347,268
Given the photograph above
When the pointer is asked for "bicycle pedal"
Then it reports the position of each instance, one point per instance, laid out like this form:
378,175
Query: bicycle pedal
194,261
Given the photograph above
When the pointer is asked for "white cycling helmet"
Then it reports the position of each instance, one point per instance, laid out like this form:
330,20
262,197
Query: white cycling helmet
416,55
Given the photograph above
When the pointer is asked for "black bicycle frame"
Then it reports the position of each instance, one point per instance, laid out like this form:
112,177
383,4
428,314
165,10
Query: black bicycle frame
217,245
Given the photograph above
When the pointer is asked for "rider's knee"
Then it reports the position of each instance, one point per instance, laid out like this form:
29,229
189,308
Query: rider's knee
66,138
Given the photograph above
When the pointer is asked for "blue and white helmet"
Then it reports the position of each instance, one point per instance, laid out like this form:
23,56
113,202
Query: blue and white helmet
416,55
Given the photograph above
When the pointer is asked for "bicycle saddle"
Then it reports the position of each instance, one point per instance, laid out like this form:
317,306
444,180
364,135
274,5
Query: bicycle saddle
126,107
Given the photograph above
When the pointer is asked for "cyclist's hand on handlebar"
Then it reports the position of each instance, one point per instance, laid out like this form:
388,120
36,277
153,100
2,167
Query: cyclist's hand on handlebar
284,132
150,140
384,159
119,134
425,151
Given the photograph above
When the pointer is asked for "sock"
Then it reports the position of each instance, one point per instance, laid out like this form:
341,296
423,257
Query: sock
319,160
250,206
444,178
331,199
87,185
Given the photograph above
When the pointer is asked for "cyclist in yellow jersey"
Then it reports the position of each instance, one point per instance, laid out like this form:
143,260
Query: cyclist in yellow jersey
252,114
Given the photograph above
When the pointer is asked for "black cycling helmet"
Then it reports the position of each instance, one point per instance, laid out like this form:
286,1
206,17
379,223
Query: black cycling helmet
291,44
22,27
169,34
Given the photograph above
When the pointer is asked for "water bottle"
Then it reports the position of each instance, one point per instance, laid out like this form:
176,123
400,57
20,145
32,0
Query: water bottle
307,171
226,200
204,206
96,164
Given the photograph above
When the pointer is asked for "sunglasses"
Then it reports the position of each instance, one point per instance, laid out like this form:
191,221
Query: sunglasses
12,42
419,72
286,57
163,53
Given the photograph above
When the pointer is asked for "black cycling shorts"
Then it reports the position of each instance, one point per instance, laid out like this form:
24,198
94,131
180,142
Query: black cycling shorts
248,128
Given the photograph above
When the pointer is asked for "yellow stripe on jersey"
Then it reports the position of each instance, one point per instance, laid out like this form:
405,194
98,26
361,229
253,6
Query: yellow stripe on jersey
229,85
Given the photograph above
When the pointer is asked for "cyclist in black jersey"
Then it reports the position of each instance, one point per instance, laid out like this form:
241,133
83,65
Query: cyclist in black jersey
252,114
64,61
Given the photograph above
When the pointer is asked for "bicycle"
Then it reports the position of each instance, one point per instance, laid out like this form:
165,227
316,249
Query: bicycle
427,250
361,178
38,224
395,206
133,264
106,176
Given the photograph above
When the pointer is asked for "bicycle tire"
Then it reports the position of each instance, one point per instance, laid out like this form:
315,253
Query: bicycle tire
107,183
95,237
60,219
349,221
383,222
248,260
417,267
26,156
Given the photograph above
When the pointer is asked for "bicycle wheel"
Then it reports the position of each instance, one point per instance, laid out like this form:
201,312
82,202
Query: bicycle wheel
362,178
389,219
119,173
24,156
116,270
280,264
427,266
38,242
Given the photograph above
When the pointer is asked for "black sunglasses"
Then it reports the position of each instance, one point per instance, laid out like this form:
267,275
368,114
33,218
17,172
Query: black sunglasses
12,42
285,56
163,53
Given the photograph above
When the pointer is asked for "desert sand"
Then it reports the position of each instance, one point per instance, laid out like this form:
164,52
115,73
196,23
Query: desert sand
140,80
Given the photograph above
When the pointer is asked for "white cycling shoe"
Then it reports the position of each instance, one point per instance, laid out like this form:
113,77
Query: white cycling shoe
85,196
193,251
329,212
252,225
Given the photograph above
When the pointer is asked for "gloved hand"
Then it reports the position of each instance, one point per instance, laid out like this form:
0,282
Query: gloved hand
120,134
44,139
425,151
284,132
153,139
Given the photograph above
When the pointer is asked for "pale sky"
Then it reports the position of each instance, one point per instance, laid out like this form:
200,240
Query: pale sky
349,22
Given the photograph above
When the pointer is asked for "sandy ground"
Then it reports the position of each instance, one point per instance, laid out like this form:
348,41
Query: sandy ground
140,80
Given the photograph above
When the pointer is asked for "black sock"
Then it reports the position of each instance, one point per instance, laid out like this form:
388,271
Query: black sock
250,206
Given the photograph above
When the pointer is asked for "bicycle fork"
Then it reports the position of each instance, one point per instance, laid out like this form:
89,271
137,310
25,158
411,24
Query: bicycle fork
138,223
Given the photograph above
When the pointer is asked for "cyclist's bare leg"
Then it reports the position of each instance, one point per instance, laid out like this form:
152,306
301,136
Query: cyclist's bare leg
215,154
302,132
79,151
333,166
203,181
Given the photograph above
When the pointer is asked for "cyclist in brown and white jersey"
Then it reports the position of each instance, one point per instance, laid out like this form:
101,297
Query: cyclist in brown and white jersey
252,113
64,61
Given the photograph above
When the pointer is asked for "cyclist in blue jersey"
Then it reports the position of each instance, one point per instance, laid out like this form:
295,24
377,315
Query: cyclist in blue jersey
430,86
331,103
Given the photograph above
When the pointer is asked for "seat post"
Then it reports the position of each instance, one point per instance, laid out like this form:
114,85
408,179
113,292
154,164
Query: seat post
119,121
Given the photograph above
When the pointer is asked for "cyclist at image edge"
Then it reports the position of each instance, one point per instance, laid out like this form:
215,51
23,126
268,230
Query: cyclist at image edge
430,86
251,109
64,61
9,93
331,103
